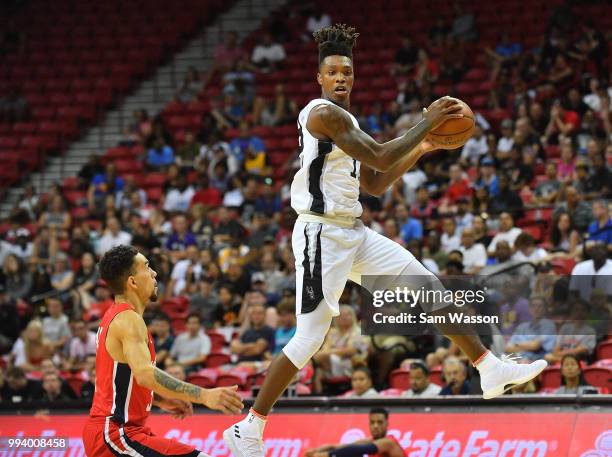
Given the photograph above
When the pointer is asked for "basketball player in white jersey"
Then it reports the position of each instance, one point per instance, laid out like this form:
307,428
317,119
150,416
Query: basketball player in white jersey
331,244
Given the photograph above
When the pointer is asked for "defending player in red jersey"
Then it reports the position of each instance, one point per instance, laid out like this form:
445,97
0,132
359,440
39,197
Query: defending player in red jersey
127,381
381,444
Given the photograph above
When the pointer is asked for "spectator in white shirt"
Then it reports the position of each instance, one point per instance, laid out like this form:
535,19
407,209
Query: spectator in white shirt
450,239
598,93
113,236
420,385
526,249
267,55
55,326
316,21
475,148
179,197
182,269
506,140
507,232
474,254
592,274
361,382
81,345
191,347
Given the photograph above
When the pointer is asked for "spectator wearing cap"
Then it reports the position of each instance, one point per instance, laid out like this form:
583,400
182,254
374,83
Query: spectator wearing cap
191,347
253,343
420,385
547,192
578,209
507,232
474,254
475,148
600,230
113,236
488,177
536,337
55,326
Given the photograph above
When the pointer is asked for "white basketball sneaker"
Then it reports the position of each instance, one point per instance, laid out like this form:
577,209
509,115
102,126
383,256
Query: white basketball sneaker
244,438
499,375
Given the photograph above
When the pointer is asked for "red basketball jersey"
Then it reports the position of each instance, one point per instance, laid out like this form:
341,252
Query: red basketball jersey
384,454
117,394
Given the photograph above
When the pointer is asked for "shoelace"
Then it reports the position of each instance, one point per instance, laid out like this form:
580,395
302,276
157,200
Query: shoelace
511,358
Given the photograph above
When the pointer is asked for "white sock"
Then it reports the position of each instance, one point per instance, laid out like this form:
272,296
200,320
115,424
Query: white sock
488,363
253,424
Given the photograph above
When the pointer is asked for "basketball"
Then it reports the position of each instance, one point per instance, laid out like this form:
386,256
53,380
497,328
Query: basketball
454,133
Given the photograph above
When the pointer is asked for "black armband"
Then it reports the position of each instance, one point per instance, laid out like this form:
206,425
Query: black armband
354,450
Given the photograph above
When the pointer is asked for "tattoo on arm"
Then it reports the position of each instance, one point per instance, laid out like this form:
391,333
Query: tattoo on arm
175,385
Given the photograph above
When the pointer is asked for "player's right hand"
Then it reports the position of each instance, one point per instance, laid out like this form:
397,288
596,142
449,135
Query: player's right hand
224,399
442,110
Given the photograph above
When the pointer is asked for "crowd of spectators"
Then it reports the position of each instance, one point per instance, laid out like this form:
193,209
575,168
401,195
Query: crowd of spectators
523,200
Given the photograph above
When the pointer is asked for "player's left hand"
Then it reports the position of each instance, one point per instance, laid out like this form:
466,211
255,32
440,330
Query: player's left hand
428,145
178,409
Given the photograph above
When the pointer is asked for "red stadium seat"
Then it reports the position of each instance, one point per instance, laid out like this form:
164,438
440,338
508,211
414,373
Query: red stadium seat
217,341
598,377
604,350
551,377
216,359
391,392
230,379
435,376
201,380
400,379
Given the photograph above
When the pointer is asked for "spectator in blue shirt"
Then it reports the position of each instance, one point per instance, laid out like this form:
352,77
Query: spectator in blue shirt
180,238
286,324
488,177
160,155
601,228
269,202
103,184
244,141
411,229
535,338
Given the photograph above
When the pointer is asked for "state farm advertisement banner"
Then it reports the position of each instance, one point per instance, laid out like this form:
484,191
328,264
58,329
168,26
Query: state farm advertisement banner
420,434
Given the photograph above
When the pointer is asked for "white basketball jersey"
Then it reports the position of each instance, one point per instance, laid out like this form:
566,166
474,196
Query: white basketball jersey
328,180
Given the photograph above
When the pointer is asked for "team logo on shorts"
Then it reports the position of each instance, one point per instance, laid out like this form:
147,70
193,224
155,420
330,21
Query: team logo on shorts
310,292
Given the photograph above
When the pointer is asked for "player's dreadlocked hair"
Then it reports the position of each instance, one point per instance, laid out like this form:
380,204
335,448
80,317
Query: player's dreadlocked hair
335,40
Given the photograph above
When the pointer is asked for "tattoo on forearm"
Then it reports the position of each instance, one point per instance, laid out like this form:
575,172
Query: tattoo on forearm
175,385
